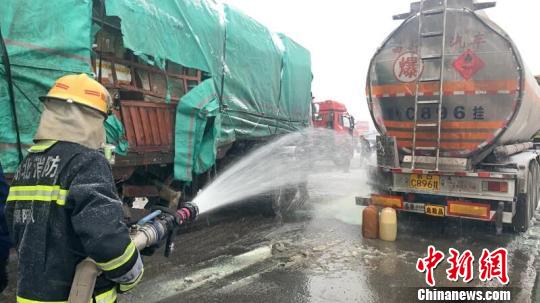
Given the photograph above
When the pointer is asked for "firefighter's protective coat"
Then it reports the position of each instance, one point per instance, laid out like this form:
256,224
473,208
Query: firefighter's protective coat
63,207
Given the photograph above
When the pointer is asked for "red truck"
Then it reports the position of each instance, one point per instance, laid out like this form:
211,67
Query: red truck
333,115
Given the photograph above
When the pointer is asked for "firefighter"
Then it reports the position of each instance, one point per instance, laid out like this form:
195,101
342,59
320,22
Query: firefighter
4,238
63,206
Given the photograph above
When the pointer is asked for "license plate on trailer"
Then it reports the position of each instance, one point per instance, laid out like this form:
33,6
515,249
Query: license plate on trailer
425,182
434,210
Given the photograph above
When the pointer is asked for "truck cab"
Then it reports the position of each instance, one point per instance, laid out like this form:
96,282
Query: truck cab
334,116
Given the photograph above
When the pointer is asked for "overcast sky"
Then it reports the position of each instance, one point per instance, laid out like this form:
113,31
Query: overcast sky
342,35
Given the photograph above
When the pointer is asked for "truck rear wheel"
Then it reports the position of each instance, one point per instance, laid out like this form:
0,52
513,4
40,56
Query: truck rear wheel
526,203
283,200
536,185
272,204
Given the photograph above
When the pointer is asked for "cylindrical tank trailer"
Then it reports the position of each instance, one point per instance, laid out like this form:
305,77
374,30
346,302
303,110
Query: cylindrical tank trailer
489,97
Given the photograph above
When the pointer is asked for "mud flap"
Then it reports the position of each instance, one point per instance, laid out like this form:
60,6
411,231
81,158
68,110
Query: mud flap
520,222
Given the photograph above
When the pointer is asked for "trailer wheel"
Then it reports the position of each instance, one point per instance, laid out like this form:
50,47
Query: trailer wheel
534,189
536,185
524,206
272,204
282,201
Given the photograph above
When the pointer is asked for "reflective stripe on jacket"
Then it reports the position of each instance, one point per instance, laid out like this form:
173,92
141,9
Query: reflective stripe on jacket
63,207
105,297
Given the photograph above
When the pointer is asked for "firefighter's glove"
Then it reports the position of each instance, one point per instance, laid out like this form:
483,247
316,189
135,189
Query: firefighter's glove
187,213
3,274
150,250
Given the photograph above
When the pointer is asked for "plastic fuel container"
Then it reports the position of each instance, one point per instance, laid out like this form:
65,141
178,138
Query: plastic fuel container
370,222
388,224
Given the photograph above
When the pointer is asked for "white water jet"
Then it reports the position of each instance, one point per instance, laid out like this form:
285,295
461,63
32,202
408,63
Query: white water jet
284,162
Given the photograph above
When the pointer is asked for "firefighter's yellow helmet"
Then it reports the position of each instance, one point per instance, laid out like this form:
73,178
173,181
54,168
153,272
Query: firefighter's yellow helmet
81,89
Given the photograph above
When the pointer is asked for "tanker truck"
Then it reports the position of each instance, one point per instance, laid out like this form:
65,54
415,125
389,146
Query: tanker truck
456,109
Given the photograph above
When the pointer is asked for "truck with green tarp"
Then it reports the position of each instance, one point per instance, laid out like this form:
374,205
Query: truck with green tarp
196,84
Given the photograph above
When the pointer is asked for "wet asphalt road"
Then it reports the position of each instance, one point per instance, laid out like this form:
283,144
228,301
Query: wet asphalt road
317,254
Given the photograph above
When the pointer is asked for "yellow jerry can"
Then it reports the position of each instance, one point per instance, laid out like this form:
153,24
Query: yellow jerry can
388,224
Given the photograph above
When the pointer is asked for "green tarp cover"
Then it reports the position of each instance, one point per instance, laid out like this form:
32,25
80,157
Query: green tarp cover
261,80
186,32
195,121
295,100
45,40
116,135
259,83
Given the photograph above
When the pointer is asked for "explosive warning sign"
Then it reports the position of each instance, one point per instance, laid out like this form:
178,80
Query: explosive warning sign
408,67
468,64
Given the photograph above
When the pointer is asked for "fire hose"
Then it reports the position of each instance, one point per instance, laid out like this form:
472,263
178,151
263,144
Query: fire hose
158,226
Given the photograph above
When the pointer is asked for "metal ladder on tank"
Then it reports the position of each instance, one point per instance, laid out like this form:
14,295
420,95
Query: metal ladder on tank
417,103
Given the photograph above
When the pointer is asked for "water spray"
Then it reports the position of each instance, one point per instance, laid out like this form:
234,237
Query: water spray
276,167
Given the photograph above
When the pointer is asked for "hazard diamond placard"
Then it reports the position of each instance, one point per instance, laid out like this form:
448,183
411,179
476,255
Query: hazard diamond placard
468,64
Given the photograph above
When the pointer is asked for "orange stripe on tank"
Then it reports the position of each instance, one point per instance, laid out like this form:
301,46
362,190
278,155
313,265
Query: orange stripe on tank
482,136
449,124
444,145
449,87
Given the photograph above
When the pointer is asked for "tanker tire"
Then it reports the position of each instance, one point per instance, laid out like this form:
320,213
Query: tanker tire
520,221
536,179
532,188
523,214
